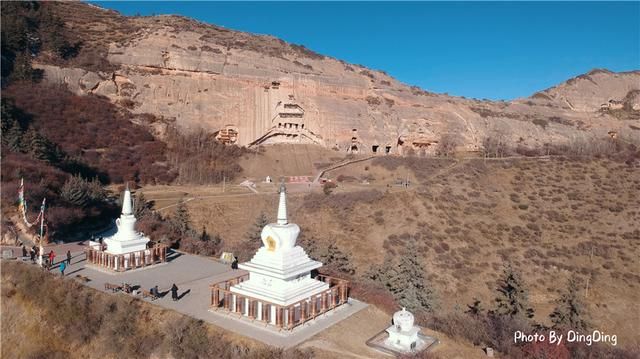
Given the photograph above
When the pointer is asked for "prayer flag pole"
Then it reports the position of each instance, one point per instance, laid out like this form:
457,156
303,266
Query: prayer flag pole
44,200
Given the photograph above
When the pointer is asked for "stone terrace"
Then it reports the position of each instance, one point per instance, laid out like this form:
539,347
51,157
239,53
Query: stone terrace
193,275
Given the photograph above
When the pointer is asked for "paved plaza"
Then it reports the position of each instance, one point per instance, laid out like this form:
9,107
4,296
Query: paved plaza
193,274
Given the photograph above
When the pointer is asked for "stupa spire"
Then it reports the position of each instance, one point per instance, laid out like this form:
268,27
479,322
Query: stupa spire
282,206
127,208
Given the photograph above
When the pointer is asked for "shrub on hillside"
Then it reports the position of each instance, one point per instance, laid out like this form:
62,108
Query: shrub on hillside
199,158
93,130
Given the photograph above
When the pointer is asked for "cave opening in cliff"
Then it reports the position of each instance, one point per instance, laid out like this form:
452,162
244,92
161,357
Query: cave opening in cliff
374,148
353,149
387,149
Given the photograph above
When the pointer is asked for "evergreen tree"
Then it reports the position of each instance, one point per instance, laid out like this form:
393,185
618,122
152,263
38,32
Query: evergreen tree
204,236
385,273
513,297
12,137
412,290
253,238
253,235
143,207
405,280
332,256
570,310
39,147
80,192
74,191
95,190
475,309
338,260
180,222
22,70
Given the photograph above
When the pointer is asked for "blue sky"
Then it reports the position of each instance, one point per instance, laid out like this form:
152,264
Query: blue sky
497,50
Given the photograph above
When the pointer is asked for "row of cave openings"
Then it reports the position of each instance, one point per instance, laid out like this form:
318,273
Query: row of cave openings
375,149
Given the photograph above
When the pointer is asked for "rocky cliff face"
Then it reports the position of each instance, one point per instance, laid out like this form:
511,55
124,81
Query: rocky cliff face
255,90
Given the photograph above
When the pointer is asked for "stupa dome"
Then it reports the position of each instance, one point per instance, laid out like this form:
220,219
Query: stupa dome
280,238
282,235
404,319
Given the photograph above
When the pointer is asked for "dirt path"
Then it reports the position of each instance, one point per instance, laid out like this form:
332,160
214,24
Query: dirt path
340,165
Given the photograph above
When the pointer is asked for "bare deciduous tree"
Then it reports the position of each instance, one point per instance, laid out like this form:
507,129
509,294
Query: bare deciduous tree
447,145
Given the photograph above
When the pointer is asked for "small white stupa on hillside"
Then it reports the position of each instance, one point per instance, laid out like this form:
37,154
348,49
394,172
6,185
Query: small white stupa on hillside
126,239
402,337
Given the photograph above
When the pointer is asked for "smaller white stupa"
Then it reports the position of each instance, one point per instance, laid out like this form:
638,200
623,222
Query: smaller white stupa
403,335
126,239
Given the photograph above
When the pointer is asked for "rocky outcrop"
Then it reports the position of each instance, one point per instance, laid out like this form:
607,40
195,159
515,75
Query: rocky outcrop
268,91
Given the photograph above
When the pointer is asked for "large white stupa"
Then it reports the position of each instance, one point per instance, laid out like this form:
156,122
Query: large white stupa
280,272
126,239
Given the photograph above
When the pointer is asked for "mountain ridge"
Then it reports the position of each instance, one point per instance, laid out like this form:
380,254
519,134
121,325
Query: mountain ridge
226,81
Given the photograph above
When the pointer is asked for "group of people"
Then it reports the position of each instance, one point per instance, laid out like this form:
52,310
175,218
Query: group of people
48,259
174,292
34,252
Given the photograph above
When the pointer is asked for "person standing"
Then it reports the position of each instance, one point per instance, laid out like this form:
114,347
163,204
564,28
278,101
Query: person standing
234,264
174,292
52,256
32,252
68,258
63,266
24,251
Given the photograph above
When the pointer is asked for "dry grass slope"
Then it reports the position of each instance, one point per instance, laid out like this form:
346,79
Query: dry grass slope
549,218
44,316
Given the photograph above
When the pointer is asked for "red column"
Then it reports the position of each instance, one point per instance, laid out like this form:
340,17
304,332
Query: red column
279,316
264,313
333,298
292,310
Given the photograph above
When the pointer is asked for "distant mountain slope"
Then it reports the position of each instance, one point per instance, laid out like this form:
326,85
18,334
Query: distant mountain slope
255,89
588,92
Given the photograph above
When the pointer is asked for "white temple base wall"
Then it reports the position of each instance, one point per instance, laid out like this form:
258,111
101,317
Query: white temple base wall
403,340
277,294
123,247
